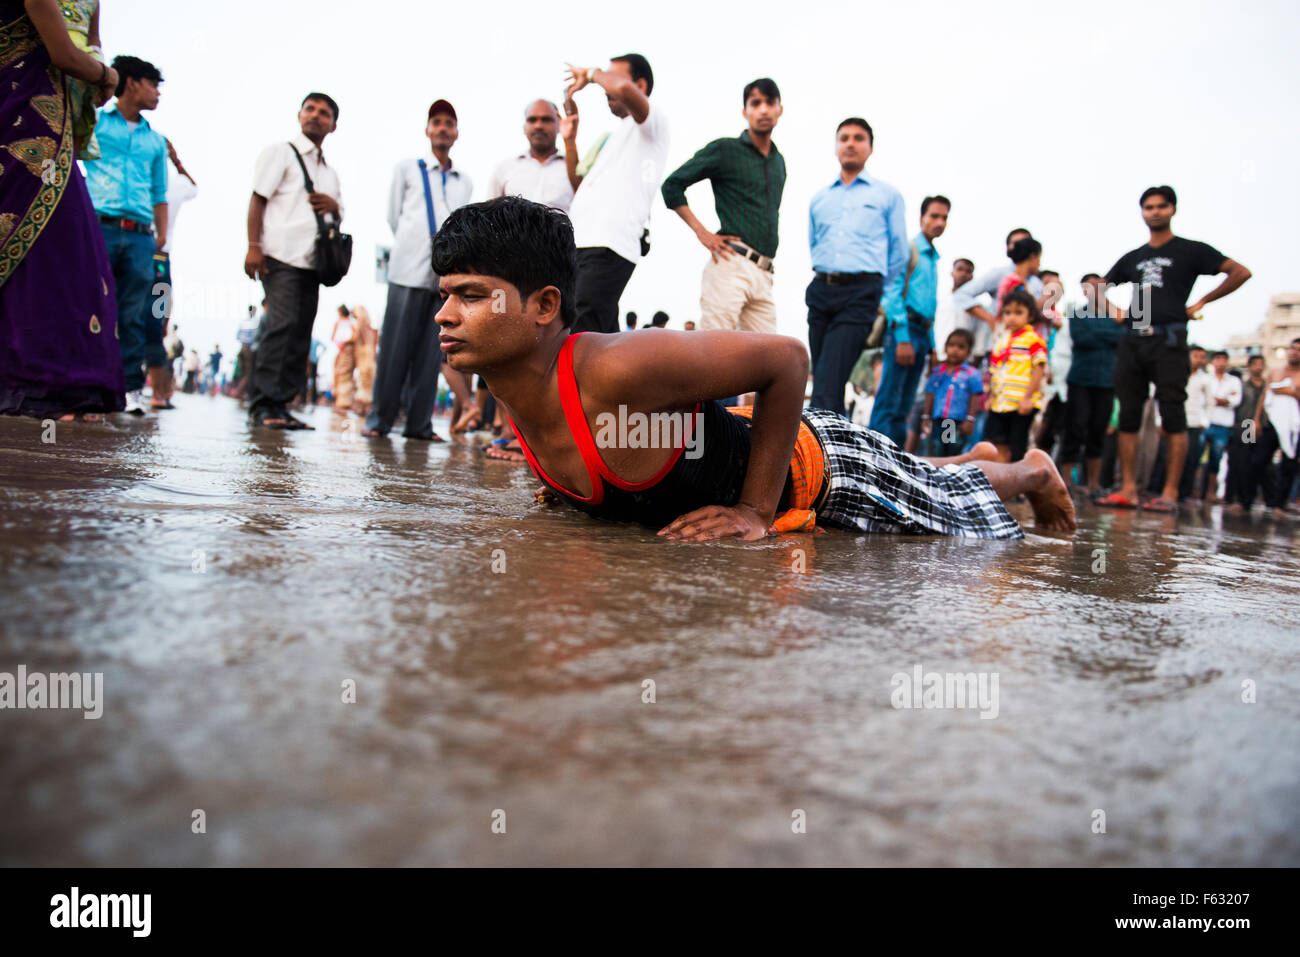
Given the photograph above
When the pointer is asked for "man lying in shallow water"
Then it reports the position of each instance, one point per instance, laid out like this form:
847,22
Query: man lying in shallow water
507,269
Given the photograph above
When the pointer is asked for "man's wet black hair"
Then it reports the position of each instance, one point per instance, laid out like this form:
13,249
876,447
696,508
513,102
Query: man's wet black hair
968,262
766,87
1022,249
528,245
324,98
133,68
639,67
659,319
1166,191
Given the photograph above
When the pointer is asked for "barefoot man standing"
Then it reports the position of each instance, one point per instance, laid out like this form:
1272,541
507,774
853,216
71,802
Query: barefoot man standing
1153,349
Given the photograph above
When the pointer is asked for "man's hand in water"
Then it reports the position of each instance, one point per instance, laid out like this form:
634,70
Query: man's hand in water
717,521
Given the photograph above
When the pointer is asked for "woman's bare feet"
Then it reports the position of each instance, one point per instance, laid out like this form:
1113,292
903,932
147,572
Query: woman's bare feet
1048,496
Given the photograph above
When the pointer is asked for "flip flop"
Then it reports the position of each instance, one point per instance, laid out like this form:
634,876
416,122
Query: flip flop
1115,500
296,424
1161,505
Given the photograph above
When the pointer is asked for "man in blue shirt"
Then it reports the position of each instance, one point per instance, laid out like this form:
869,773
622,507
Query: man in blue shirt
911,300
128,186
859,243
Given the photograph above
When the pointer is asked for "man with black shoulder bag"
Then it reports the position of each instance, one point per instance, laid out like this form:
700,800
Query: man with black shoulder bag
294,246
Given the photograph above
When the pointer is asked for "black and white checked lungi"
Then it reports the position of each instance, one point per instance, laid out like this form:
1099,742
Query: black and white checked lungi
877,487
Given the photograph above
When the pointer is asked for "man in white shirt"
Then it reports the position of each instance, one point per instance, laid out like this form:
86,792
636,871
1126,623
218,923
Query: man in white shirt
540,174
1200,399
423,193
971,313
1226,393
281,252
611,203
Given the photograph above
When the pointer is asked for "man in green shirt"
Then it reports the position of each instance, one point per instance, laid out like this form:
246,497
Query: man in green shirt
748,175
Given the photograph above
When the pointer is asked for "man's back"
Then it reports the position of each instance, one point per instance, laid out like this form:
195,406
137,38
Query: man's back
612,204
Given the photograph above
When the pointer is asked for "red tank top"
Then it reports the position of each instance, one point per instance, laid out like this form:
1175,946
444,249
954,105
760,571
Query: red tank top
597,471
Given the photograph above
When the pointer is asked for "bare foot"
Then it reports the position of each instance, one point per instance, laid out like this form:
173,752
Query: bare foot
505,452
982,452
1050,500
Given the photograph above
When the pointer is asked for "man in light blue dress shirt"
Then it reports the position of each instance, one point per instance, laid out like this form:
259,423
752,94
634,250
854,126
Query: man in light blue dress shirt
911,300
858,237
128,186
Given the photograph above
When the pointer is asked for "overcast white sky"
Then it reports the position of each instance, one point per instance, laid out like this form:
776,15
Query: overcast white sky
1054,118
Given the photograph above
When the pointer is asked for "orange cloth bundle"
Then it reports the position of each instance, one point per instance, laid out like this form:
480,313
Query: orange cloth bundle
807,473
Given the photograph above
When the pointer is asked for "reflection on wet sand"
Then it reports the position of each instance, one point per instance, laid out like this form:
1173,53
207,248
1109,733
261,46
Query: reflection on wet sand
230,586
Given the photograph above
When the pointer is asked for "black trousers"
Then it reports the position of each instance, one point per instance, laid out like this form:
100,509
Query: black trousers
1195,449
1241,470
1276,483
1087,415
408,346
280,362
839,321
602,277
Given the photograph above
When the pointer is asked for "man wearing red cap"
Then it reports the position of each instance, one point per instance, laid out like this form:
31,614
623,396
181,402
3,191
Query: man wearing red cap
423,194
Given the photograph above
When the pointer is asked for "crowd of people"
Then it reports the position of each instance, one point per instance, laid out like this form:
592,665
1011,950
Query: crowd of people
1020,368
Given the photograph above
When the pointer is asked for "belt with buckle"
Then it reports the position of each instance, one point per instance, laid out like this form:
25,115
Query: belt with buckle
130,225
845,278
763,262
1150,329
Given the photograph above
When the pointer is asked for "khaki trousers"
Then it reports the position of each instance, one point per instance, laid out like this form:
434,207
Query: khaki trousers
736,294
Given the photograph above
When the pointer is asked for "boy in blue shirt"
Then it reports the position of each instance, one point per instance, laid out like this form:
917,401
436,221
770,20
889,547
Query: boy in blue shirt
950,396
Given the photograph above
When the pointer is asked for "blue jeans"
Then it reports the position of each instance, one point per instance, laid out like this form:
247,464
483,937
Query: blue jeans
157,306
898,384
1216,440
130,255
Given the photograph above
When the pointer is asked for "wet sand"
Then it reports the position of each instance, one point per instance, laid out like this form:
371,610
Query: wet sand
227,587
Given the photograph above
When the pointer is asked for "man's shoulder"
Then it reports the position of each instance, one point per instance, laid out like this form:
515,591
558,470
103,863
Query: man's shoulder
888,189
506,165
279,149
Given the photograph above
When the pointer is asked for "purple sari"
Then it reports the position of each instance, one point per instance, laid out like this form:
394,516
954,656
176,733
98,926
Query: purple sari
58,308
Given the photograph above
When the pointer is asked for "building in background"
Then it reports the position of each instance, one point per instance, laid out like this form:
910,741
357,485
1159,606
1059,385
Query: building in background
1280,326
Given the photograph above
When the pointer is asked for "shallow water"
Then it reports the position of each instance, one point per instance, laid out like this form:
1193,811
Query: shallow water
228,586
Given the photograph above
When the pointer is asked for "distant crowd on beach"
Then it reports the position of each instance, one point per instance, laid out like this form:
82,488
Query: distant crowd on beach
1135,415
